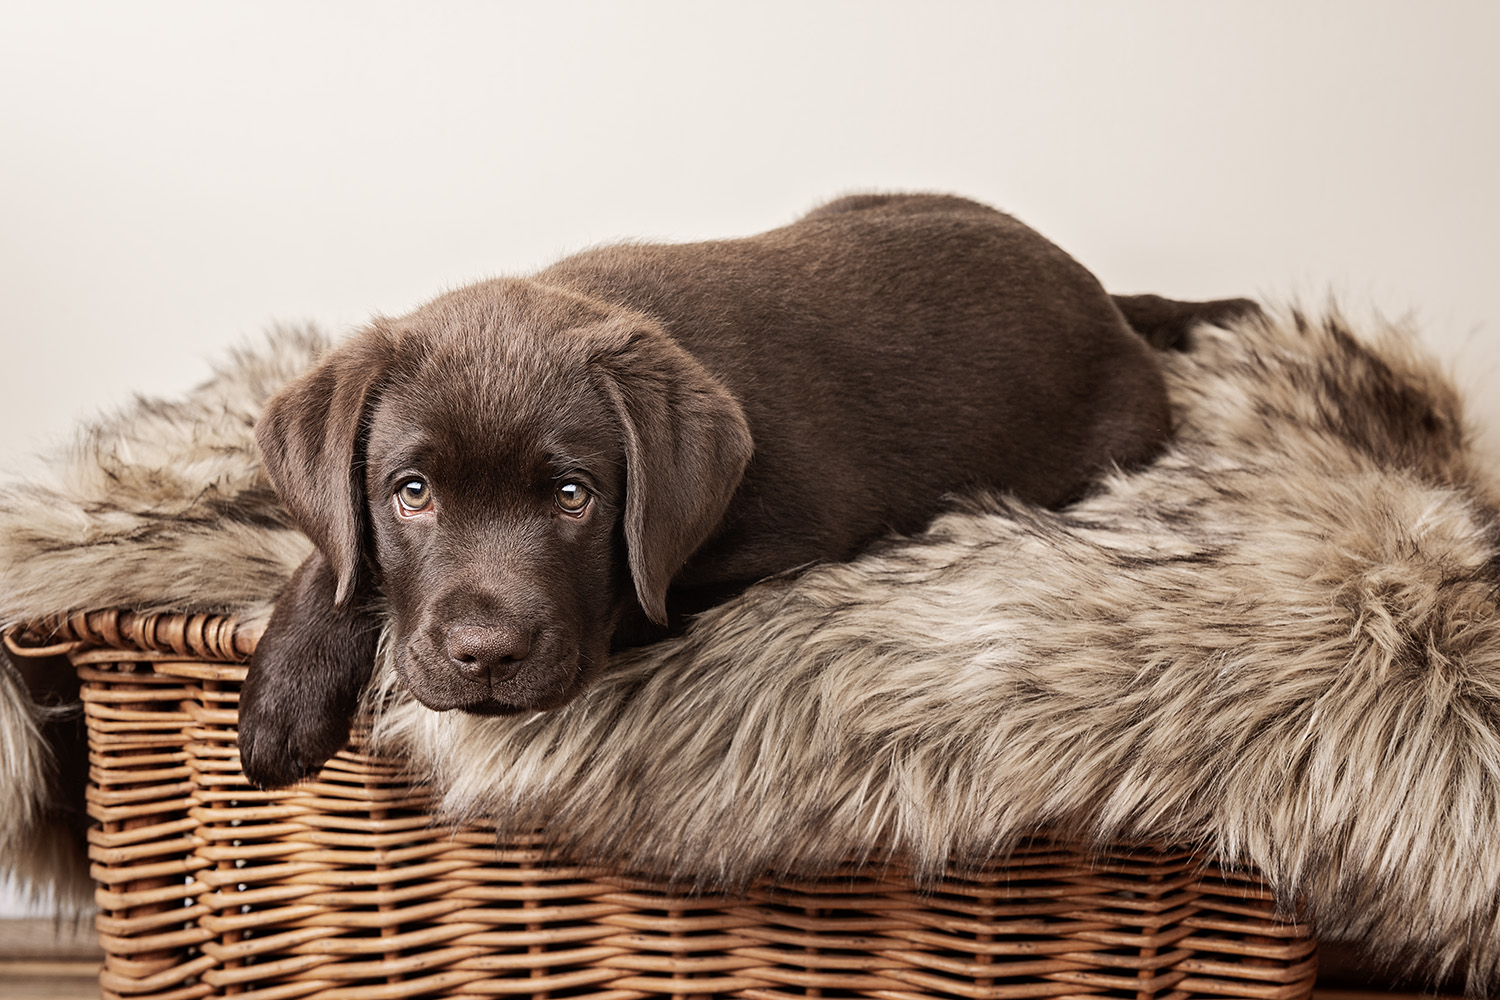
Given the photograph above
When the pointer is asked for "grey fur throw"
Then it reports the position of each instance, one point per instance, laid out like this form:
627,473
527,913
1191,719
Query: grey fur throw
1280,642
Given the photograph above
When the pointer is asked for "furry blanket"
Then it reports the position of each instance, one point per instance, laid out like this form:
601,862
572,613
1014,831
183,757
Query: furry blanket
1280,641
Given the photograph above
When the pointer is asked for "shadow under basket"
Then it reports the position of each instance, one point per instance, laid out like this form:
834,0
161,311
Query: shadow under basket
348,886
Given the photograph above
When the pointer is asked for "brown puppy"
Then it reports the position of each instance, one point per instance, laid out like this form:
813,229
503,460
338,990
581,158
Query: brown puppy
525,472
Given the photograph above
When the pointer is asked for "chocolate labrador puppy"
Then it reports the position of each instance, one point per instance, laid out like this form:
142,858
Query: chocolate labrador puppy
527,472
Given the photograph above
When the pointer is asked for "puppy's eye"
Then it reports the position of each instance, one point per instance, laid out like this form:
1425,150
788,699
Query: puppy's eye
414,496
572,497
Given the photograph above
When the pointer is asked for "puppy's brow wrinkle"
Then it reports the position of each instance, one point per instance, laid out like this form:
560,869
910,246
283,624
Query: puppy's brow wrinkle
566,463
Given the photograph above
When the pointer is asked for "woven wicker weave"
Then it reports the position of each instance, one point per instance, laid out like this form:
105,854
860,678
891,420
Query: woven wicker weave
344,887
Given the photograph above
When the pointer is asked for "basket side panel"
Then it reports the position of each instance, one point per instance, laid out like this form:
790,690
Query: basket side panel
143,847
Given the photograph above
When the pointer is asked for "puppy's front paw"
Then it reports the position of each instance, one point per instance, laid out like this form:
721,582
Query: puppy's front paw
282,747
304,682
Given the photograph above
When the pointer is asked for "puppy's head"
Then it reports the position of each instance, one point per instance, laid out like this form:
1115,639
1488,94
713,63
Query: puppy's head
512,468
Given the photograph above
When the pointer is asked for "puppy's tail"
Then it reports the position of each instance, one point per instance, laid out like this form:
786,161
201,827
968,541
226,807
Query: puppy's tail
1166,323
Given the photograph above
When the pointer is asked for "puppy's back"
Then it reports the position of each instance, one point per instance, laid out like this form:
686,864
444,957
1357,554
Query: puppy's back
887,351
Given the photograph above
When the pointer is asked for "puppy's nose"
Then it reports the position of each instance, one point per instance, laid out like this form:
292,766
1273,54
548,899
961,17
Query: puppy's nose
488,651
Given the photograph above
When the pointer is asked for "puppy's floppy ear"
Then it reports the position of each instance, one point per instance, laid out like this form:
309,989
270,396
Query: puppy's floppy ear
310,442
686,448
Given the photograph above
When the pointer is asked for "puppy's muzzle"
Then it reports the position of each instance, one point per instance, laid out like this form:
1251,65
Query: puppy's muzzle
488,653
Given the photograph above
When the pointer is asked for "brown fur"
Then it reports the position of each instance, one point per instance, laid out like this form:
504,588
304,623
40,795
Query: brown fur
726,411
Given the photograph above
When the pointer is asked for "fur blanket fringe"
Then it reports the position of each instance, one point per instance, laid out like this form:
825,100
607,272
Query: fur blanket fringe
1280,642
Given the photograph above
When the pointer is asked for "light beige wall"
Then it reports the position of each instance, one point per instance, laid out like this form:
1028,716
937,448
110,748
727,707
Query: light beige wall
177,176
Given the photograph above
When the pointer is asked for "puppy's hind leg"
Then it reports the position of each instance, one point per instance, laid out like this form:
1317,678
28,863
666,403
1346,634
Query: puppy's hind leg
305,678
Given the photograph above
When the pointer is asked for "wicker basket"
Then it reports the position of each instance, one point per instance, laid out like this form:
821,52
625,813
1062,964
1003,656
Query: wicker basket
346,887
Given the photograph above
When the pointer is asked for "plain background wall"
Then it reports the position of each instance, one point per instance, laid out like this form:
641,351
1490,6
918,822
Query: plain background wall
175,177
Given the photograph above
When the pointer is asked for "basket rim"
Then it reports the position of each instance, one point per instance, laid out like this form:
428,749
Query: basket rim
209,635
